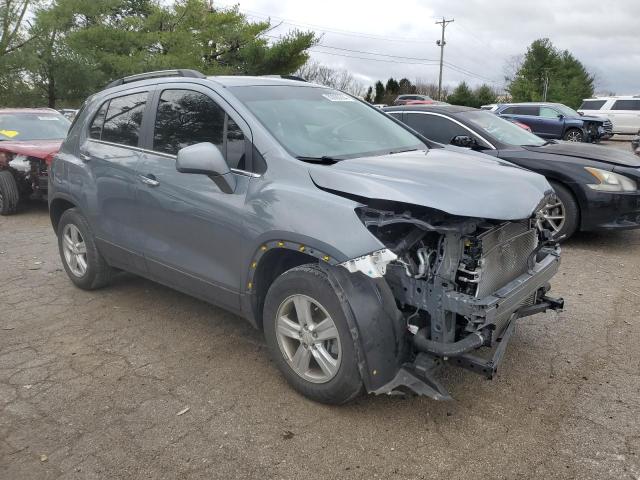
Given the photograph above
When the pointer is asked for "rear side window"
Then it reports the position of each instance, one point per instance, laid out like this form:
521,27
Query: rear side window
123,119
184,118
436,128
526,110
592,104
626,105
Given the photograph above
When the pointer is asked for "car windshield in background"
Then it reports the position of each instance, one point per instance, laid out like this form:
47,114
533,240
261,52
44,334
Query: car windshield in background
502,130
566,111
33,126
324,124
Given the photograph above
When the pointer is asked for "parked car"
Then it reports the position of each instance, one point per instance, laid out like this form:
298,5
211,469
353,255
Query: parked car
635,144
404,99
29,137
557,121
622,111
368,259
597,187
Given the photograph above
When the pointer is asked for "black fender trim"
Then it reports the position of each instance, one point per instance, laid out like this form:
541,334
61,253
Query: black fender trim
377,326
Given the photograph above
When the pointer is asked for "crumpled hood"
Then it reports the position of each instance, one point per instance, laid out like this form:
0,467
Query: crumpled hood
44,149
589,151
591,118
450,181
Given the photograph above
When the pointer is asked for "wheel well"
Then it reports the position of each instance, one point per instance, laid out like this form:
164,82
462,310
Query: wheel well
273,264
56,209
569,189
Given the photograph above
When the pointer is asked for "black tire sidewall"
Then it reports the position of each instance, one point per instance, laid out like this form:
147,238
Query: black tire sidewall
571,210
94,260
9,193
311,281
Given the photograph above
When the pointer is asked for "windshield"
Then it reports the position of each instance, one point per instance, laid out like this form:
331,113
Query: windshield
501,129
33,126
566,111
319,123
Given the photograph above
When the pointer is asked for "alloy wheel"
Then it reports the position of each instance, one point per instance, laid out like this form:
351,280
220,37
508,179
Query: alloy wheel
308,339
74,250
552,216
574,136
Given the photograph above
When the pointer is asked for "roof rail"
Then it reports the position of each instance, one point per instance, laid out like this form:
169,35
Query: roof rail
181,72
286,77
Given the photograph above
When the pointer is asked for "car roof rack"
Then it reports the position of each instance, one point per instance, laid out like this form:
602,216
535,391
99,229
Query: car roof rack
181,72
286,77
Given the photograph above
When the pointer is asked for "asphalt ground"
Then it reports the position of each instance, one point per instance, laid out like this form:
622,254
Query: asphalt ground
94,385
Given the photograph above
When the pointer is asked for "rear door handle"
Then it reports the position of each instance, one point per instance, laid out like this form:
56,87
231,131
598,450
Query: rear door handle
149,179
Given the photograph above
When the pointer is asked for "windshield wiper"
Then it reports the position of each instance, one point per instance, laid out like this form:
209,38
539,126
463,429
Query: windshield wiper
393,152
325,159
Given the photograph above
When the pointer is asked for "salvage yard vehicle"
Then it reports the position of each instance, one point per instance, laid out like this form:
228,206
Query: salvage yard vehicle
635,144
29,138
596,187
557,121
368,259
622,111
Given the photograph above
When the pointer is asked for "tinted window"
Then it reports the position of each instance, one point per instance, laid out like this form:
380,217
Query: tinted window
95,129
547,112
235,145
526,110
436,128
185,118
626,105
123,119
592,104
508,111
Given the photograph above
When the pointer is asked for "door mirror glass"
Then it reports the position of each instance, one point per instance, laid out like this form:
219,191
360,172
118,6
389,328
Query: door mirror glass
464,141
560,116
206,159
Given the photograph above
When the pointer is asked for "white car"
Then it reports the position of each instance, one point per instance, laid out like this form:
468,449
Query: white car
623,111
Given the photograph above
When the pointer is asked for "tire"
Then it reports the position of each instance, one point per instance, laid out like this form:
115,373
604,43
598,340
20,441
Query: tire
571,211
9,194
97,273
310,283
574,135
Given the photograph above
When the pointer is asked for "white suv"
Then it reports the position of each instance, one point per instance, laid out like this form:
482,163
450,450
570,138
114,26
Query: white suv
623,111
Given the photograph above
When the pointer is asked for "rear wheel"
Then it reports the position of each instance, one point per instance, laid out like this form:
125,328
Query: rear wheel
80,257
574,135
9,194
562,215
307,333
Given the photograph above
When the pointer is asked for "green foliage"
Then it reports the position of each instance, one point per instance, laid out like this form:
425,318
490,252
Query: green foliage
368,97
462,95
77,46
567,80
379,96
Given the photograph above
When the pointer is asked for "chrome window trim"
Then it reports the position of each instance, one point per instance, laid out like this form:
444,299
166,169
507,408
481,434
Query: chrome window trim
452,120
167,155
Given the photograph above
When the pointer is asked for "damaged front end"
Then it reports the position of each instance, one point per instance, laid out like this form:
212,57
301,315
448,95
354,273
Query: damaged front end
459,284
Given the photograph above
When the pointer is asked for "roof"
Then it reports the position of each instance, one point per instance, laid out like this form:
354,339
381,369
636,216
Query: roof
518,104
244,81
430,108
27,110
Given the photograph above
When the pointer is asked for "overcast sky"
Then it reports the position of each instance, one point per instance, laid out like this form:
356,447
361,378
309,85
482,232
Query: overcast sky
603,34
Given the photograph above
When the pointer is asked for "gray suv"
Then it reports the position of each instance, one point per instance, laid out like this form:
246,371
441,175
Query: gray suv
368,258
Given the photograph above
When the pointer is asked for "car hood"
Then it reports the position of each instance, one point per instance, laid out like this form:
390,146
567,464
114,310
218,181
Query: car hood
591,118
589,151
450,181
44,149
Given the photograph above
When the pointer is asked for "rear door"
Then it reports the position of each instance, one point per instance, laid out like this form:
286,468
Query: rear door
527,114
625,116
193,230
111,152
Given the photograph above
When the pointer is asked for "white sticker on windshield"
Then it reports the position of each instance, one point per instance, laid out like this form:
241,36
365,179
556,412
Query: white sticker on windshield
55,119
337,97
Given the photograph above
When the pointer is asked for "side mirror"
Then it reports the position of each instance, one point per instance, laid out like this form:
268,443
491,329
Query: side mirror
206,159
560,116
464,141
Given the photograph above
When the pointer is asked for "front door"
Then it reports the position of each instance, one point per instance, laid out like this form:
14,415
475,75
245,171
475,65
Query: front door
550,123
193,230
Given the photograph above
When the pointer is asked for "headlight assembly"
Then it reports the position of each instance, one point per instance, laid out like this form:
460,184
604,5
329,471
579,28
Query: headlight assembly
611,182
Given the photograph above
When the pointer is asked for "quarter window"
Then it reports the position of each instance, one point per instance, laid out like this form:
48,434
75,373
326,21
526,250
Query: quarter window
592,104
123,119
626,105
95,129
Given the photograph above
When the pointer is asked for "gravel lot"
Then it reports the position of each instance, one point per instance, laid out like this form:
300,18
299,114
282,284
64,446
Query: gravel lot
92,385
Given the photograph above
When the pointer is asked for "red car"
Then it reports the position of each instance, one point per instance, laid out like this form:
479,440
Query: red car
29,138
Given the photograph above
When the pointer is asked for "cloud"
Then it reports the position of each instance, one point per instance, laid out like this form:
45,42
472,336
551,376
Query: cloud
605,36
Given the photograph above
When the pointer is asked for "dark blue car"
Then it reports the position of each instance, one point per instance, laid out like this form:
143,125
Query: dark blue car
557,121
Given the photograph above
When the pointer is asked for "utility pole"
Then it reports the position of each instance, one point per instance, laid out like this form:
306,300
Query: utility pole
441,43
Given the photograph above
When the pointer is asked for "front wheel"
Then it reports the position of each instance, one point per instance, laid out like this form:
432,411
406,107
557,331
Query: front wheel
9,194
574,135
308,336
562,215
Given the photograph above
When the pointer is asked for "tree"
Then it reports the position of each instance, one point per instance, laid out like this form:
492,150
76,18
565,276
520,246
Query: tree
339,79
12,19
547,70
462,95
406,86
369,95
484,95
379,96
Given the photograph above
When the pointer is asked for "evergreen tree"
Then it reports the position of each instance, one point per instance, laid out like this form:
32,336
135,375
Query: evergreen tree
462,95
379,96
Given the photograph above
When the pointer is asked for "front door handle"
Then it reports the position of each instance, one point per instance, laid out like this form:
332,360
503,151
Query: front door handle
149,179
